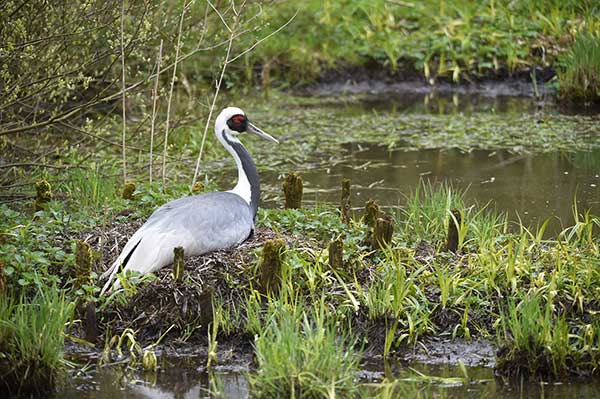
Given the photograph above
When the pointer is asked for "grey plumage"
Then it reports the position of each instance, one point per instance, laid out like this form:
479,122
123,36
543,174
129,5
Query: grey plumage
200,223
191,223
206,229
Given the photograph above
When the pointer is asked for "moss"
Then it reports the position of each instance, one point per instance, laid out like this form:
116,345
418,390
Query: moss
128,190
336,254
382,232
198,187
292,189
371,213
83,264
43,194
270,266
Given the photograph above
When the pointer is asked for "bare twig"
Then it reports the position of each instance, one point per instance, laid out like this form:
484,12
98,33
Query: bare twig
97,137
204,26
164,164
124,151
214,101
232,35
37,165
264,38
220,15
154,98
112,96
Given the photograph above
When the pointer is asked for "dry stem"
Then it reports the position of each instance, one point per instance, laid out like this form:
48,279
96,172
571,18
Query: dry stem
124,152
217,88
154,98
232,35
164,164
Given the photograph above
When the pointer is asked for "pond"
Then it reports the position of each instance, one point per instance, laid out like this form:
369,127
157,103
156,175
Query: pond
183,377
528,185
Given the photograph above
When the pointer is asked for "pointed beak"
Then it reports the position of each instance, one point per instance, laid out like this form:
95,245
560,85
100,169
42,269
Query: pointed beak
257,131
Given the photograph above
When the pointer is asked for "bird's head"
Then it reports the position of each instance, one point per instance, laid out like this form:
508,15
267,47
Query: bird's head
232,121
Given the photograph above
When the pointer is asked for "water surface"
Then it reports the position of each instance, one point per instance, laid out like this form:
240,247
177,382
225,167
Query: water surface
183,378
532,187
528,184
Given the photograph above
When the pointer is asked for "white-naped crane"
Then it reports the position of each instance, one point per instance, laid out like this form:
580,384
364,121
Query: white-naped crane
199,223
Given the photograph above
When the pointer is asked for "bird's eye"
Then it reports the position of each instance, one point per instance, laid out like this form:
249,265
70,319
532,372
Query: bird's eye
238,123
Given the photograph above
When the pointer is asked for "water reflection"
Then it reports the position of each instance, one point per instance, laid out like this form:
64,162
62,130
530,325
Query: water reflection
439,103
483,383
413,379
177,381
444,99
526,186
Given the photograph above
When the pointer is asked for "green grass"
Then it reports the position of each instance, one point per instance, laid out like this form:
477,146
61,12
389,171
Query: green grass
31,342
535,341
579,72
301,355
320,315
91,187
466,295
552,327
455,39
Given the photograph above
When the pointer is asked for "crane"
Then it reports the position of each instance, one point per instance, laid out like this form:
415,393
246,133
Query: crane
199,223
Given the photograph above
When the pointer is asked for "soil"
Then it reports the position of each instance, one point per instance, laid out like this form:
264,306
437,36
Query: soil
185,305
374,79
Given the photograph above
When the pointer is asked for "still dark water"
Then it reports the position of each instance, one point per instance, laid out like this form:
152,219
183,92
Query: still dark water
526,186
179,377
529,187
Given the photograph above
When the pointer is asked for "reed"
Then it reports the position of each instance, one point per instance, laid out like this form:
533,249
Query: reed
31,342
579,69
301,355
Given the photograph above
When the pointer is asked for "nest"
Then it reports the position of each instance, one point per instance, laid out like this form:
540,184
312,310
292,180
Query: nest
185,305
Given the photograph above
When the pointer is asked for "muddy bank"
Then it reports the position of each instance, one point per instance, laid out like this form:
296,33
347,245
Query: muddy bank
405,302
185,307
373,79
513,88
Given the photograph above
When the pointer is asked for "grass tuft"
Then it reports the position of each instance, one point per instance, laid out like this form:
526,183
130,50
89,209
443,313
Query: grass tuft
535,341
579,76
301,356
31,342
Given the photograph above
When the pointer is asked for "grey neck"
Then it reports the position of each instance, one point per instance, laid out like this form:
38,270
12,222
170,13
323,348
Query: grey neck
247,168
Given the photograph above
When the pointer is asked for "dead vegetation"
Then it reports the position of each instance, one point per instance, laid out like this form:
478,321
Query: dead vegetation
187,305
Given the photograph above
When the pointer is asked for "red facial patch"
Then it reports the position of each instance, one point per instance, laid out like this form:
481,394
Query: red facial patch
238,119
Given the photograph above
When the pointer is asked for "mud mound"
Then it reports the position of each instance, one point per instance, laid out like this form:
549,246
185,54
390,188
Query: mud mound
151,309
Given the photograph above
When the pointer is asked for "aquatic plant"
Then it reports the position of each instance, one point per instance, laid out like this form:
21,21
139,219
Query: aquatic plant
31,342
535,342
388,298
301,355
579,69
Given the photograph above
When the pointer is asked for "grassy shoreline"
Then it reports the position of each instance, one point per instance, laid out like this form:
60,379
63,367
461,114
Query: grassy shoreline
456,296
450,40
383,301
62,111
535,298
